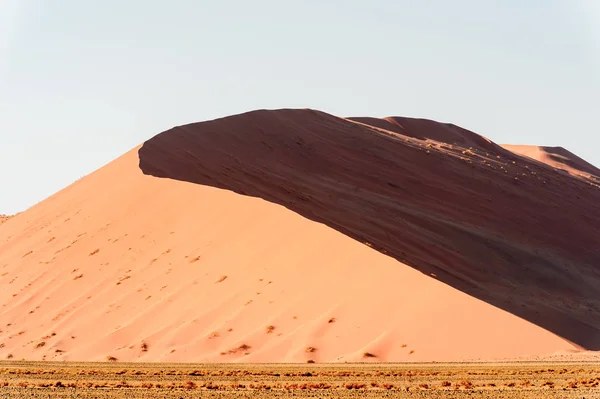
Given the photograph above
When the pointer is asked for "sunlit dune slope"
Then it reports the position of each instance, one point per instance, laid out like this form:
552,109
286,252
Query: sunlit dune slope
558,157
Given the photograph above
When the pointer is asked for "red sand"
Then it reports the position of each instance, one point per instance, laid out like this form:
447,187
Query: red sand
419,242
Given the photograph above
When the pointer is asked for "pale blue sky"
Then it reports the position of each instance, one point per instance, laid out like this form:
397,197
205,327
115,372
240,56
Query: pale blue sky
81,82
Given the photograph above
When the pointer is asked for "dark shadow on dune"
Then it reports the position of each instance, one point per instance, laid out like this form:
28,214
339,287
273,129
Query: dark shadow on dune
528,246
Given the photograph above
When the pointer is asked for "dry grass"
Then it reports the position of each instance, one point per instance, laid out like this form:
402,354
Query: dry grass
459,381
240,349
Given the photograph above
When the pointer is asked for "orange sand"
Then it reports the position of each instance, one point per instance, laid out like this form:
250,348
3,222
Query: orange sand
559,158
388,242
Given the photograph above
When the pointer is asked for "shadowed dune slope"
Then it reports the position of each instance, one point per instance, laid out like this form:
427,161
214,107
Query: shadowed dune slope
292,235
425,129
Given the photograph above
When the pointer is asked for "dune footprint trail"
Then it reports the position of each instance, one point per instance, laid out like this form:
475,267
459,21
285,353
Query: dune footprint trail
294,235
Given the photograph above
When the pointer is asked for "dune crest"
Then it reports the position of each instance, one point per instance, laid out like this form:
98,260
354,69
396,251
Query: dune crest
559,158
294,235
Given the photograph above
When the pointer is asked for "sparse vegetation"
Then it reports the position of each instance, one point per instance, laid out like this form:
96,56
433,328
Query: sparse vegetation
242,348
145,381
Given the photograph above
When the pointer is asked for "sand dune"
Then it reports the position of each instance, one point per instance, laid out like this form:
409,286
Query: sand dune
4,218
559,158
289,235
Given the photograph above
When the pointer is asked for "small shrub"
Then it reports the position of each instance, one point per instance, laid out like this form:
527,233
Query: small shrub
446,383
40,344
111,358
270,329
144,347
241,348
94,252
368,354
355,385
466,384
310,349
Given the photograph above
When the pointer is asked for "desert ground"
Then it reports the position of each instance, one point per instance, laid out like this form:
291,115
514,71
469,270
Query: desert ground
294,235
155,380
